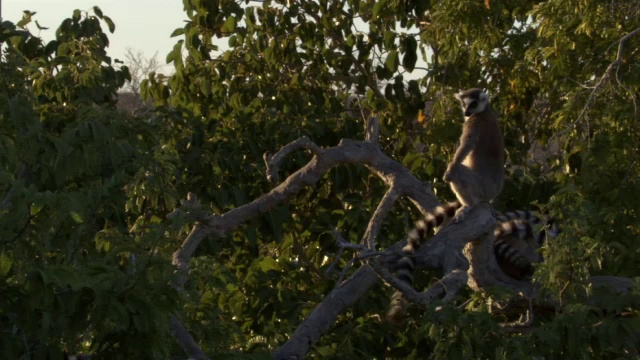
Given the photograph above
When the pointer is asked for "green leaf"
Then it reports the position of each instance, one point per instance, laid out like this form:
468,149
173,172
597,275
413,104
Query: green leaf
378,7
351,40
26,18
268,264
389,39
410,53
97,11
175,55
177,32
229,26
5,264
110,24
76,217
233,41
392,61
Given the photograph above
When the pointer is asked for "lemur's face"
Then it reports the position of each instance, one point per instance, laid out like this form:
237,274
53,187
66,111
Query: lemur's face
473,102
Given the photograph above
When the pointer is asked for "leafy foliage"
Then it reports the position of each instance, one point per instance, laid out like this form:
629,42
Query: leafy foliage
75,276
85,244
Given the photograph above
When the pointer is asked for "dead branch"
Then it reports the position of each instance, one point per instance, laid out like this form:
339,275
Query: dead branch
347,152
273,162
325,313
184,338
375,223
445,289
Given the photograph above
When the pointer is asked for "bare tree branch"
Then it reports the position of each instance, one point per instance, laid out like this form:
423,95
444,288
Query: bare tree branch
272,162
375,223
347,152
139,68
444,289
372,131
325,314
185,340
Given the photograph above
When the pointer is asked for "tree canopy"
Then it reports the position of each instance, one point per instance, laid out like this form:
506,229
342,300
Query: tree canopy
251,212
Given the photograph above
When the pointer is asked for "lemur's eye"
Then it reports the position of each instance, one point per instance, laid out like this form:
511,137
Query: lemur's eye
473,104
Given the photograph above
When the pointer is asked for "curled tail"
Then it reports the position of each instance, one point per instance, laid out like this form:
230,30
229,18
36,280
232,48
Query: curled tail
406,265
517,243
516,247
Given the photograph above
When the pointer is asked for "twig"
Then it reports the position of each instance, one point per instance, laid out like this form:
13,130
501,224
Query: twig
365,253
334,263
606,76
344,244
272,162
372,131
445,289
373,229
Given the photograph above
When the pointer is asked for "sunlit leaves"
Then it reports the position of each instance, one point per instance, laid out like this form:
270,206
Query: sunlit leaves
392,61
229,25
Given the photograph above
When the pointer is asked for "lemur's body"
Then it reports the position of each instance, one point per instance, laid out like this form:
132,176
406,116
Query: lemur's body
476,173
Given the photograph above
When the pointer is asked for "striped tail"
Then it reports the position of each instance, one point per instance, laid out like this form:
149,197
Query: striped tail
515,247
406,265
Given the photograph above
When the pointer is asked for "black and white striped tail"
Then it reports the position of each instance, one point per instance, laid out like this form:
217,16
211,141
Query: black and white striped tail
516,244
406,265
514,231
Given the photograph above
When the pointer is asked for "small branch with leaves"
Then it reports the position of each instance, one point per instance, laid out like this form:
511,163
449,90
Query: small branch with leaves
608,74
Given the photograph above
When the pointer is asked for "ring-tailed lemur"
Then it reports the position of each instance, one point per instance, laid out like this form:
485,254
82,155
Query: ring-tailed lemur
515,246
476,173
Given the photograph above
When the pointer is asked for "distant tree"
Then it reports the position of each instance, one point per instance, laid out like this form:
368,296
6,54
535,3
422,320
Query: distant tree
139,68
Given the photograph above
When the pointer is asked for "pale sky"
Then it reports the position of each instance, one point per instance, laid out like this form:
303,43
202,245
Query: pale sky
144,25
